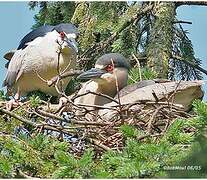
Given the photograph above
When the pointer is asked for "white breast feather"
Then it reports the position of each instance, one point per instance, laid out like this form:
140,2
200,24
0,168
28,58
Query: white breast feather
42,58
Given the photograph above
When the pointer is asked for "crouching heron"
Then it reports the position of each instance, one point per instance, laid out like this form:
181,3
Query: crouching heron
109,75
36,59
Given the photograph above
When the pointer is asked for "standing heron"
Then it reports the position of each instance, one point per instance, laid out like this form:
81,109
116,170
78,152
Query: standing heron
109,75
36,59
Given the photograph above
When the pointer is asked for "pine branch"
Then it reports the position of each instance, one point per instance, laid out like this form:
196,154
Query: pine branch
103,44
183,49
190,64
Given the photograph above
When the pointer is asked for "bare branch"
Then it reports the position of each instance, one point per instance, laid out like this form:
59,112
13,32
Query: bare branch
97,143
22,174
72,119
186,22
18,117
139,67
64,75
97,94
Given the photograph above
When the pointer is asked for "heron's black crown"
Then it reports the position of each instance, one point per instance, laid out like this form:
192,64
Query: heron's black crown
118,60
43,30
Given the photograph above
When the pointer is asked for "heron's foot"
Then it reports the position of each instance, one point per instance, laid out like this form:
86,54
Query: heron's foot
13,103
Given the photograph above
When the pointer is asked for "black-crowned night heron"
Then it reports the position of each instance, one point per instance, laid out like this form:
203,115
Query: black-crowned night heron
36,58
110,72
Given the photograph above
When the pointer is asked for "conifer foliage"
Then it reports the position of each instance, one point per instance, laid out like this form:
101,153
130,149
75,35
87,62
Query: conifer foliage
150,30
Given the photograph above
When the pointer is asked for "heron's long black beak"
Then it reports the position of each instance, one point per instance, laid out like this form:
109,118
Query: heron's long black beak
92,73
73,44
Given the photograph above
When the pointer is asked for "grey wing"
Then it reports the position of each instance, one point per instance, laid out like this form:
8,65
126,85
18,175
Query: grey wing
14,69
39,32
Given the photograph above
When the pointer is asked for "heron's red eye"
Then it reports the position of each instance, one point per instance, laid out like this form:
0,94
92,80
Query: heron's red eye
62,35
109,68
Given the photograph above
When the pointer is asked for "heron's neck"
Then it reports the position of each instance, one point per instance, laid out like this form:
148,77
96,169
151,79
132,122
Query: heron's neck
105,86
113,82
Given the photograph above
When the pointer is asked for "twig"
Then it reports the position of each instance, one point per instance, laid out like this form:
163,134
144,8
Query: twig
117,85
38,75
72,120
97,106
20,173
172,96
152,119
64,75
18,117
142,137
69,63
118,95
58,70
175,106
186,22
94,93
139,67
155,96
59,51
98,143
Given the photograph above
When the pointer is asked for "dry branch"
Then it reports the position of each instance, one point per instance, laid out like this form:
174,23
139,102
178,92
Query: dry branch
186,22
72,121
4,111
64,75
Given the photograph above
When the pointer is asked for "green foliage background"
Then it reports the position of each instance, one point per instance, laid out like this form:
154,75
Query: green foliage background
146,29
47,157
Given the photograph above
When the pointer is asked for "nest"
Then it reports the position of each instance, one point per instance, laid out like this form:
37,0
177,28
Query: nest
151,119
100,127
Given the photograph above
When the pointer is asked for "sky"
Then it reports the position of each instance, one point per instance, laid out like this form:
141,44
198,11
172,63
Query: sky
197,33
16,21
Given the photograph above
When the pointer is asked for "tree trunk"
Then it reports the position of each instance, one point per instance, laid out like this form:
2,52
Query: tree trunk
160,41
